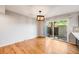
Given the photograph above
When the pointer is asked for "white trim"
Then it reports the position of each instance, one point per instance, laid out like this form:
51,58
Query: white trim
9,43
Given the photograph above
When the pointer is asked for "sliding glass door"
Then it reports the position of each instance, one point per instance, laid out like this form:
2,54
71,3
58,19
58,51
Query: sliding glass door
57,29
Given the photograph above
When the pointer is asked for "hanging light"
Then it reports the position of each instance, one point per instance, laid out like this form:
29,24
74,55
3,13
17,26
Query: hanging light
40,17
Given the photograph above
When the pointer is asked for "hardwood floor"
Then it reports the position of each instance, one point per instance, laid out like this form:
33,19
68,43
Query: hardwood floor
40,46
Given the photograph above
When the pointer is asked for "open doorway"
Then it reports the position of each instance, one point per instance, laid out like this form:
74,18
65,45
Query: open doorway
57,29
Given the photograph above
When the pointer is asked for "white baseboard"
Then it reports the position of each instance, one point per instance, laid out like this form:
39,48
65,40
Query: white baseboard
13,42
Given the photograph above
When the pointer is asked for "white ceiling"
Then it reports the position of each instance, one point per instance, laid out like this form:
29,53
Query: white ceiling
47,10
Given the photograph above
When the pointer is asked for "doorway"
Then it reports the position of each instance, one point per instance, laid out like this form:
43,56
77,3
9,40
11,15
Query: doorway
57,29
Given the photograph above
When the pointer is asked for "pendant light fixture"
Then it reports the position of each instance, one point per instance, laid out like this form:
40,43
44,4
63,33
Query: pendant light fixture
40,17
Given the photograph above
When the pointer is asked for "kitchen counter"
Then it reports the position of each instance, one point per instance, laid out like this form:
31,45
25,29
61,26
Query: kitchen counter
76,34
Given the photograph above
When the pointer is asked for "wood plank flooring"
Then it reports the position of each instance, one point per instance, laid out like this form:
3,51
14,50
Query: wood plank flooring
40,46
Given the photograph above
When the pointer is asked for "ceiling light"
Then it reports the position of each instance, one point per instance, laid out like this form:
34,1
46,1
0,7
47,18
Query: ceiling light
40,17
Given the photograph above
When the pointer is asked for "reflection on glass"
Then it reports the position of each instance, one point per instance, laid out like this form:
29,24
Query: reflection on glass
57,29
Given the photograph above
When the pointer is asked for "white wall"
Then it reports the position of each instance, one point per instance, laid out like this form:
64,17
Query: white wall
15,27
2,9
73,22
40,28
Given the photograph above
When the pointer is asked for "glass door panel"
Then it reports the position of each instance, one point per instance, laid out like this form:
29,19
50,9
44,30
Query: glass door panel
57,29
